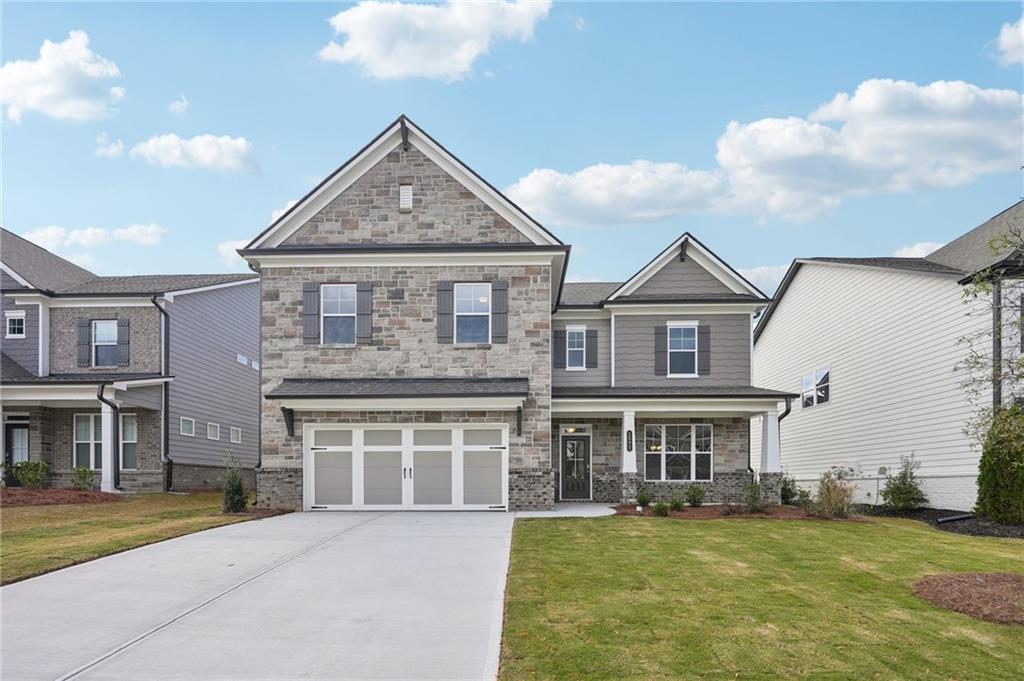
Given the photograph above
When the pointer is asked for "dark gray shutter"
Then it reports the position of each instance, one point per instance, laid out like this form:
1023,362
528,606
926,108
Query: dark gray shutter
84,342
660,350
559,350
591,348
499,312
703,350
124,339
310,313
445,312
364,312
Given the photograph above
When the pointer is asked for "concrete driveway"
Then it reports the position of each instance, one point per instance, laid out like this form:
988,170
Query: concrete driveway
301,596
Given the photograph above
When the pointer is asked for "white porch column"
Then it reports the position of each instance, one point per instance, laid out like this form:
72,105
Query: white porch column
629,442
771,461
107,439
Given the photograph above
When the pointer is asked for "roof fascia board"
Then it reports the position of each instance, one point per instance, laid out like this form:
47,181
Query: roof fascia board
85,301
470,402
581,313
661,404
141,382
421,259
171,295
634,309
60,392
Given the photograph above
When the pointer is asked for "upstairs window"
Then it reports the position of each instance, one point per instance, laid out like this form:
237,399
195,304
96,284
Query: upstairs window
814,388
15,324
104,343
682,349
338,314
576,348
472,313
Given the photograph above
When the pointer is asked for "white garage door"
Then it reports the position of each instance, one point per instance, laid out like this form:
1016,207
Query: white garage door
421,467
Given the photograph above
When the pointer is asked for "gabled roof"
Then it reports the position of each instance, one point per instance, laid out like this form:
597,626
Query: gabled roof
37,267
703,255
971,252
152,284
401,132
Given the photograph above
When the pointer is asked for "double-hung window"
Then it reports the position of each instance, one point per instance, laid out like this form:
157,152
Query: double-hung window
15,324
88,441
338,314
678,452
576,348
814,388
682,349
104,343
129,441
472,313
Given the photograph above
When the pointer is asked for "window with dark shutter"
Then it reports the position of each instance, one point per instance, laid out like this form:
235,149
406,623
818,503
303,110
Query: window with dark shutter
310,313
591,348
499,312
445,312
558,352
124,337
660,351
84,342
364,313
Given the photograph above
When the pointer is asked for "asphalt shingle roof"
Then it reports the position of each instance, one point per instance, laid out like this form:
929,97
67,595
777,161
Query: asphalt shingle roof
38,266
913,264
971,252
399,387
12,373
152,284
587,293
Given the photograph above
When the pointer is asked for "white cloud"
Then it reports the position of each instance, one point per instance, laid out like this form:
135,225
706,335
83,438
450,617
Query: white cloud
1010,43
180,105
148,234
202,151
281,211
765,277
60,239
582,24
106,147
228,255
889,136
918,250
391,40
67,82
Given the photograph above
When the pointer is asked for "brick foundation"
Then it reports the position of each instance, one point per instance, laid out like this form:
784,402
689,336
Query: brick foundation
279,488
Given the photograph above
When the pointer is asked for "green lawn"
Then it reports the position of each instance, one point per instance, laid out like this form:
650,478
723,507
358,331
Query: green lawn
38,539
651,598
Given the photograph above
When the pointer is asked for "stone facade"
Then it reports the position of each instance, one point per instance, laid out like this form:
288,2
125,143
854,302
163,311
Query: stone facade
144,348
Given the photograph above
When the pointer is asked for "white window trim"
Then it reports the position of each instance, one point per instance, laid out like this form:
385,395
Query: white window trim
456,314
814,387
94,343
339,314
577,329
92,442
215,426
181,426
14,314
668,348
232,431
242,359
121,441
693,452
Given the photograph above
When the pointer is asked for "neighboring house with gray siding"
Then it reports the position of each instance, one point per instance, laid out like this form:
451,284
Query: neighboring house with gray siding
422,351
96,365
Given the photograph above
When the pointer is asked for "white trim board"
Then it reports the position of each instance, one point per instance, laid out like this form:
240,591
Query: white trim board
469,402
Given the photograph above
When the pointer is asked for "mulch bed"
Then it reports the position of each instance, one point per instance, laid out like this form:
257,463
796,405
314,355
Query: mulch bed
978,527
19,496
713,512
990,596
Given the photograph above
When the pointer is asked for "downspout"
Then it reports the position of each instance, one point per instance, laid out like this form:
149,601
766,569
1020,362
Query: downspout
784,414
165,455
115,434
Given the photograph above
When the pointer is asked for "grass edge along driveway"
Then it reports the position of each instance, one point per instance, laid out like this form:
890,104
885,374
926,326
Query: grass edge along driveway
39,539
652,598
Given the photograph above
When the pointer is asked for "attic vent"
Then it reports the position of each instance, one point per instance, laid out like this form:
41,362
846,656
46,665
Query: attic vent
405,197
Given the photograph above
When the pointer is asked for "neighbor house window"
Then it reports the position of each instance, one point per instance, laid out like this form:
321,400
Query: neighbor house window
472,313
576,348
242,359
682,349
104,343
678,452
236,435
187,427
129,441
212,431
814,388
88,441
338,314
15,324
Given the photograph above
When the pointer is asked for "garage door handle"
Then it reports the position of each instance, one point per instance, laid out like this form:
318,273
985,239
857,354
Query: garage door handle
403,472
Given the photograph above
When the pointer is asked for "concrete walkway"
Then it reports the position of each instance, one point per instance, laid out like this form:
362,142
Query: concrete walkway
306,595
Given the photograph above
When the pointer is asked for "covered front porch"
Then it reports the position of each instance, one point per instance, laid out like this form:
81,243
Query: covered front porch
609,445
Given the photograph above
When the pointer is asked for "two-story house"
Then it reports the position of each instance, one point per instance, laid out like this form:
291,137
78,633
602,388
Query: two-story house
148,380
422,351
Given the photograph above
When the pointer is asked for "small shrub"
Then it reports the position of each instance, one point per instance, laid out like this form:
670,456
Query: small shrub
31,474
902,491
695,495
1001,469
661,509
789,490
803,498
730,509
835,494
81,477
643,499
234,489
676,504
753,498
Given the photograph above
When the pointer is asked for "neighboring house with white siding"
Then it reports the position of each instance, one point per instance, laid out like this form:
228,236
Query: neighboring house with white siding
872,345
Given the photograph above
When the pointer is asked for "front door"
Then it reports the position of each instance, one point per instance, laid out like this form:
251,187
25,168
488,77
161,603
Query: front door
575,467
16,448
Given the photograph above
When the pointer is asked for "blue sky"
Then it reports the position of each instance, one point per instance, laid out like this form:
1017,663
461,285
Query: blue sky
619,126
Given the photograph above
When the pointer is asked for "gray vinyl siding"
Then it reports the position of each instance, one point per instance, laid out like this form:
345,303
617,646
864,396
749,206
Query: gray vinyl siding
679,278
24,351
730,350
602,375
7,281
147,397
208,330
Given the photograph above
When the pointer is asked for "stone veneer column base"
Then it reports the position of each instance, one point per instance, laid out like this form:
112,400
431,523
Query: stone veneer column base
279,488
531,489
630,487
771,487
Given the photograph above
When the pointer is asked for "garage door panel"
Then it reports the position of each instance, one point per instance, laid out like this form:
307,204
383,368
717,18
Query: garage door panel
382,478
481,477
432,479
332,477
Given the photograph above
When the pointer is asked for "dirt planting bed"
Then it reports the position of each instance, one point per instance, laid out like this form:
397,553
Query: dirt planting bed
978,527
990,596
19,496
